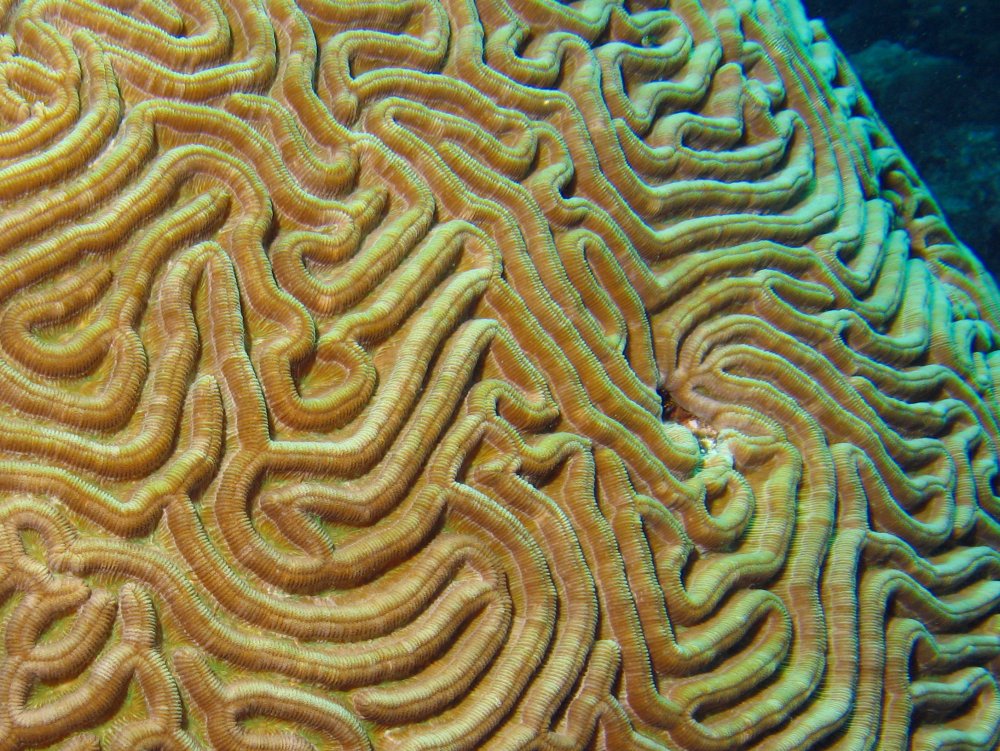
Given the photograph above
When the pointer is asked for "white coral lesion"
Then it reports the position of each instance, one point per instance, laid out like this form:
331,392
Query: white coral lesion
705,434
687,429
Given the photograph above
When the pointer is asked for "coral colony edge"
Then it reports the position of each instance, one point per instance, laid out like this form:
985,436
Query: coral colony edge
445,375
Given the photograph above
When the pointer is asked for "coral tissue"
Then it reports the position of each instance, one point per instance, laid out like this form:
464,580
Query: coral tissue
439,374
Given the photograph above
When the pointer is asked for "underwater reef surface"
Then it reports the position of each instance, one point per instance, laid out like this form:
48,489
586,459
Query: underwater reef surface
495,375
933,69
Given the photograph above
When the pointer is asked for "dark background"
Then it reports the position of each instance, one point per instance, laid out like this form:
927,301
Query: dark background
932,68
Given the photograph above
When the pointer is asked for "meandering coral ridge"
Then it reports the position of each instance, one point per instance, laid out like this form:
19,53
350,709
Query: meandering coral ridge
481,375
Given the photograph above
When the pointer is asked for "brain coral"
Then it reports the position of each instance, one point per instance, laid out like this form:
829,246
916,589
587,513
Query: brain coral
442,374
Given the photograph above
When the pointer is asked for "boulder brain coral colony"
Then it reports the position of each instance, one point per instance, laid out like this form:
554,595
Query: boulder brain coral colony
495,375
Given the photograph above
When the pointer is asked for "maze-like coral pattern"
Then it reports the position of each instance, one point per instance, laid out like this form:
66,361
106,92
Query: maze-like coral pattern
481,375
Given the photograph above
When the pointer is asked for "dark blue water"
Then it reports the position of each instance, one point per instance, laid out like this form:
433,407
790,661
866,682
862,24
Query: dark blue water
932,68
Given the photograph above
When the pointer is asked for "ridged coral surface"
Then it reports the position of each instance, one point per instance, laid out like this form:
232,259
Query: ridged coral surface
481,375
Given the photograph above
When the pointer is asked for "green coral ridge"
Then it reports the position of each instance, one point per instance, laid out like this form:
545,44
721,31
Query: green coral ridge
481,375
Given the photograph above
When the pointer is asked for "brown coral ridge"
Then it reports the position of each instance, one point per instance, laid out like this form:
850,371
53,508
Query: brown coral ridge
494,375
